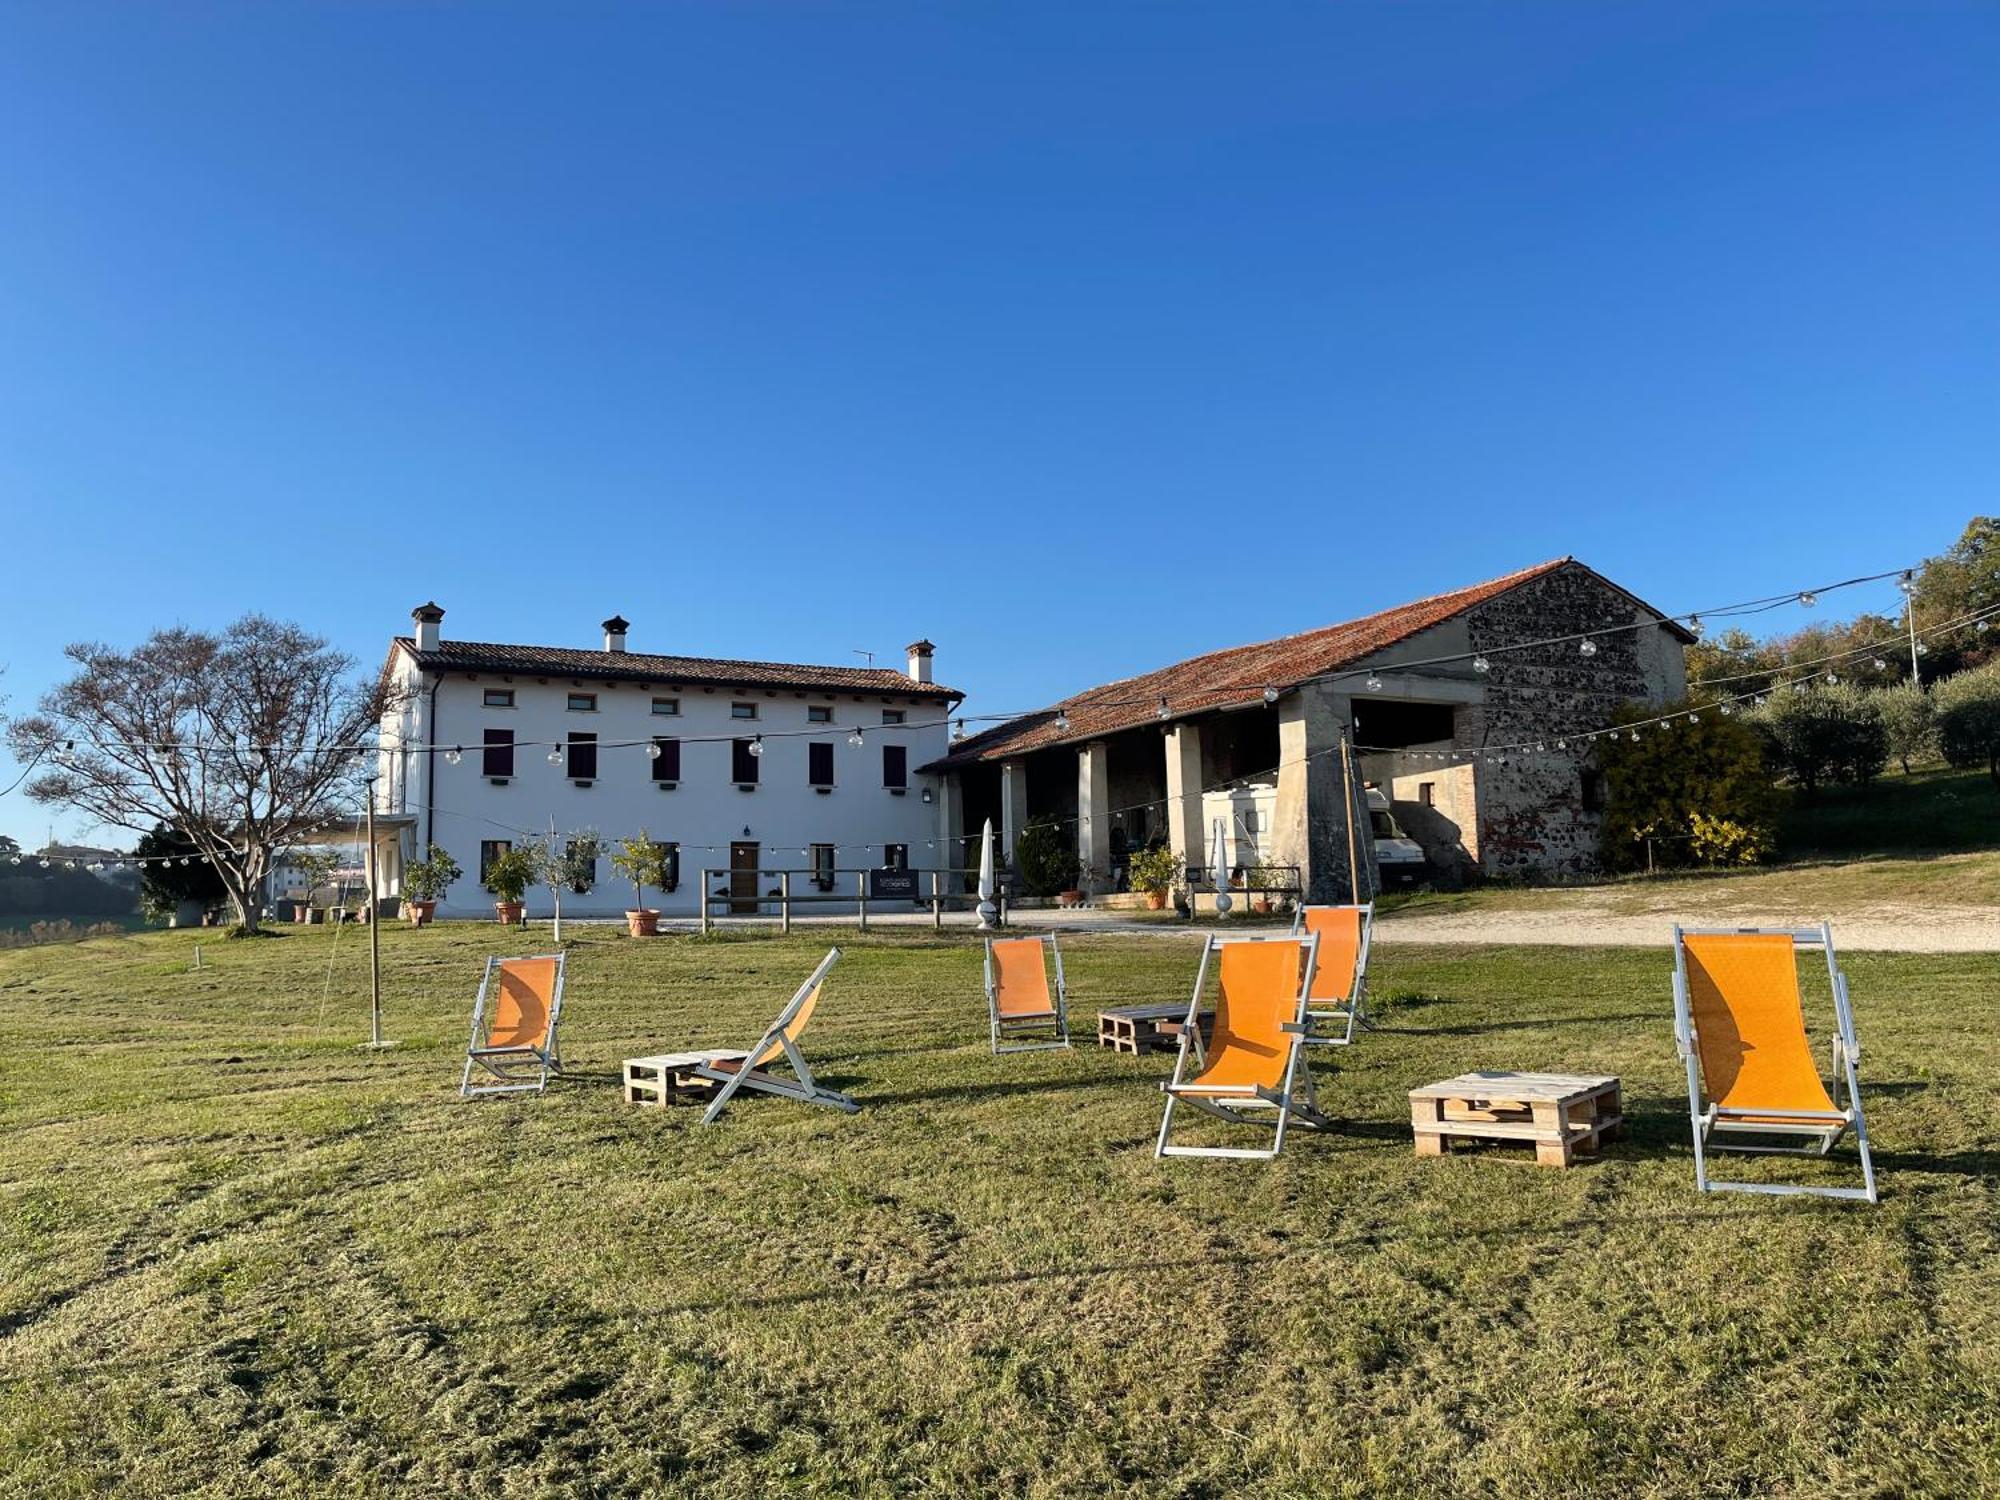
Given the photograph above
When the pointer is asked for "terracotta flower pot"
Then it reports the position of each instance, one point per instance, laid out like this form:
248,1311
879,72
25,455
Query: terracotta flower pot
510,913
643,923
1070,898
1156,900
420,912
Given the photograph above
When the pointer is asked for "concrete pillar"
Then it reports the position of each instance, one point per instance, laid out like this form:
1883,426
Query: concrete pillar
950,824
1013,806
1093,813
1313,813
1184,825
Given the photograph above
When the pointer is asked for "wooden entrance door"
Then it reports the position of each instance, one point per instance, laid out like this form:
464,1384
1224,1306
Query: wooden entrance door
743,879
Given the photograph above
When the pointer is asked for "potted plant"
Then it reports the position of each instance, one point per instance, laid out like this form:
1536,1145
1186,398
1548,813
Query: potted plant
1153,873
508,876
643,861
1262,879
426,879
316,867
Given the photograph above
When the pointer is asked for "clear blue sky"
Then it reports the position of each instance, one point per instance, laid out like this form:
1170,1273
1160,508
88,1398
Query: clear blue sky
1076,336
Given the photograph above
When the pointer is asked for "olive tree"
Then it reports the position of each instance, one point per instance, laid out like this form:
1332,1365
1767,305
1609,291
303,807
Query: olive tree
1824,734
1968,719
244,741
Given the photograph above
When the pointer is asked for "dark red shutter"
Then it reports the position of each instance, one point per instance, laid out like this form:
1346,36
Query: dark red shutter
499,754
895,765
819,764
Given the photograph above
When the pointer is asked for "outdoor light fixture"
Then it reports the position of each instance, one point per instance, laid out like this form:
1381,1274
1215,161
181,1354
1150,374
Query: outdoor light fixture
1062,721
757,745
1587,646
454,755
1808,598
1881,665
1481,664
555,755
653,750
1270,696
927,796
1374,683
1163,710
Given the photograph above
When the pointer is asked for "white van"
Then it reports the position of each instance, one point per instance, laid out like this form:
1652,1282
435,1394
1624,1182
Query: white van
1399,857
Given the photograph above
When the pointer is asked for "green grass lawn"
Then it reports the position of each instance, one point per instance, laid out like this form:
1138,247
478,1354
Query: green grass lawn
239,1257
1934,810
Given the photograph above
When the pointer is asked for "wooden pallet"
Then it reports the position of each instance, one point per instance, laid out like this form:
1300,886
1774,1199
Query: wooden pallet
670,1078
1141,1028
1559,1114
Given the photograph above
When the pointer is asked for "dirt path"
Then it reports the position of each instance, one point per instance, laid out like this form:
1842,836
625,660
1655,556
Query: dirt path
1583,919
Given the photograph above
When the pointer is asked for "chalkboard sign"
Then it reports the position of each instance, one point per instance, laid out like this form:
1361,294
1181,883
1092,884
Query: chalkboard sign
892,885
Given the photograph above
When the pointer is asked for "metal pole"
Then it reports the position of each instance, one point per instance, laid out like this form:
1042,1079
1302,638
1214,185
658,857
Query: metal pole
861,892
1353,855
704,902
937,903
785,902
374,931
1910,618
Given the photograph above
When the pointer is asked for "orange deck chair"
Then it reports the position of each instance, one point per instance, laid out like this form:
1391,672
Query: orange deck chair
1740,1025
749,1070
1254,1060
1339,997
516,1036
1018,1000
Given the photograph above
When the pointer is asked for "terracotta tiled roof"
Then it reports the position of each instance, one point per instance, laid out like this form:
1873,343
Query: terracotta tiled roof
1231,678
635,666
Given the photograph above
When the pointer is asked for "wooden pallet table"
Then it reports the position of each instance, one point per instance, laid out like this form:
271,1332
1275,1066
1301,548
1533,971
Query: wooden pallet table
1140,1028
1559,1114
670,1078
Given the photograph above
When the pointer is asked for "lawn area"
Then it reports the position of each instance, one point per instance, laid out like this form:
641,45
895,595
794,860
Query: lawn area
239,1257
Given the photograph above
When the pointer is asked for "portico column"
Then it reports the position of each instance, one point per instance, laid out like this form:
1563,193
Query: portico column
950,825
1184,830
1313,812
1013,805
1093,812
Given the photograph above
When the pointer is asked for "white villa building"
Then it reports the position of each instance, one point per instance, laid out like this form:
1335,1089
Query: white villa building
739,766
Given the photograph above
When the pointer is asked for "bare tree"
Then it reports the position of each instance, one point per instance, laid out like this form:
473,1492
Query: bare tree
244,741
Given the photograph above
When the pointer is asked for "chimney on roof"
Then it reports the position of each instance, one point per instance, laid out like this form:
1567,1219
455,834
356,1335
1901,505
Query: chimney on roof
614,632
428,618
920,660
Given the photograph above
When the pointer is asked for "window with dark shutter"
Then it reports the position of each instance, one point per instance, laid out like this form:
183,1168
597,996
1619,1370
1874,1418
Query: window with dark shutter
742,764
672,866
667,764
822,865
895,765
499,753
583,757
895,856
819,763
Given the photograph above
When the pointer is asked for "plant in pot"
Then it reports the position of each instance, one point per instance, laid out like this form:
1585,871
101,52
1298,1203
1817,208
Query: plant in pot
426,879
508,876
1262,880
568,863
316,868
1153,873
642,861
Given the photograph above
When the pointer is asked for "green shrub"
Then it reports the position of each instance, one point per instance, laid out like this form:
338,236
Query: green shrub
429,878
1724,841
1968,719
1712,767
510,872
1044,859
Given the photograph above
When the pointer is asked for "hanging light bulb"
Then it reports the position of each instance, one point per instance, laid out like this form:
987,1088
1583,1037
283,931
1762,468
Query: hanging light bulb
1808,598
1726,709
1271,696
854,735
1881,665
1562,744
454,755
1481,664
1923,648
1163,711
184,859
1694,718
1635,736
757,745
957,729
653,750
1374,683
45,864
1062,721
555,755
1982,625
1587,646
1694,625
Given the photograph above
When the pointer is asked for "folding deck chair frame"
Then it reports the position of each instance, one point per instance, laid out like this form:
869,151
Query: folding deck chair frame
778,1040
1345,1017
1294,1098
1058,1018
1816,1130
507,1063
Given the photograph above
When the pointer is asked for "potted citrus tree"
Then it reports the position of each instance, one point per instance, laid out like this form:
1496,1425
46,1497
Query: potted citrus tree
426,879
568,864
643,861
508,876
1153,873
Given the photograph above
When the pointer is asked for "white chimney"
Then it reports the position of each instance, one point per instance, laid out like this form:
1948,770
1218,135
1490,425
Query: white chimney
428,618
614,632
920,660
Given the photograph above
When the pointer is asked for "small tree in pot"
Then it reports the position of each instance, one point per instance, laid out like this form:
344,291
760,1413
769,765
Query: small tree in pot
1153,873
316,867
508,875
569,865
425,880
643,861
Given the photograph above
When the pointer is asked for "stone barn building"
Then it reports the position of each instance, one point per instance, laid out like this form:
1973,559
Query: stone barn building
1422,692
